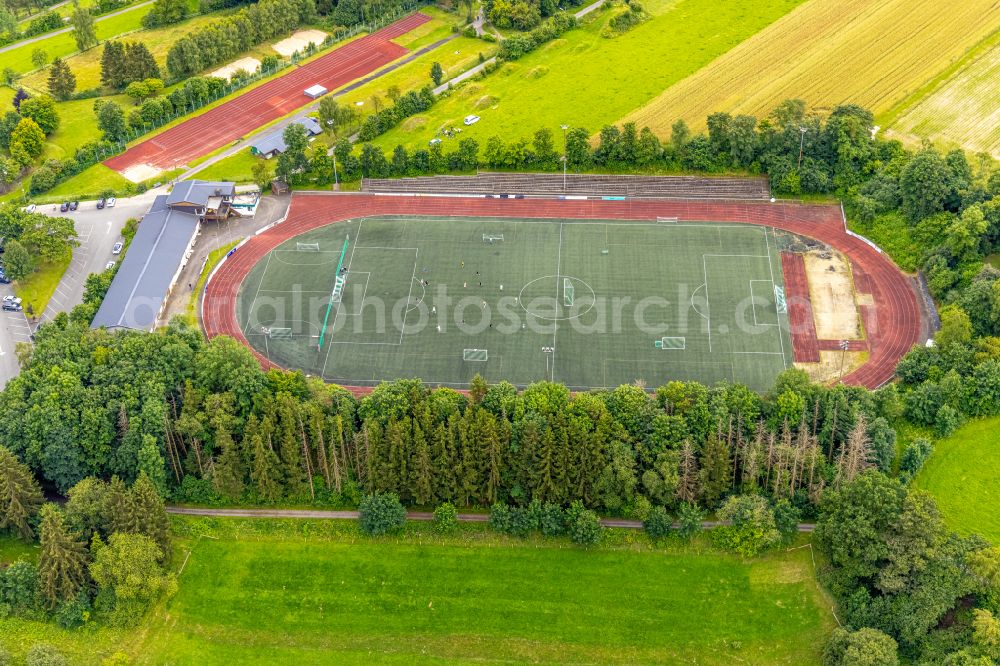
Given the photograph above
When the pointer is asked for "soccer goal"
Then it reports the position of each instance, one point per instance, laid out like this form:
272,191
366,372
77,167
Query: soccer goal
670,343
307,247
779,300
278,333
568,292
667,220
474,355
492,238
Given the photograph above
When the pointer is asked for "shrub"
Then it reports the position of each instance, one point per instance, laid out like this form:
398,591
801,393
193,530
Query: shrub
864,647
753,527
5,658
381,513
75,612
500,517
446,518
658,523
43,654
19,587
585,527
552,519
913,458
786,519
689,519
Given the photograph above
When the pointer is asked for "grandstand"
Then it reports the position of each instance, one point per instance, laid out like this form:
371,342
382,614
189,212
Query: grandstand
552,184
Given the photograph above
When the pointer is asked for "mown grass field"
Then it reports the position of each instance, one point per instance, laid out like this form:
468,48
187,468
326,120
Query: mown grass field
873,53
19,59
37,288
586,80
962,477
343,599
87,64
960,110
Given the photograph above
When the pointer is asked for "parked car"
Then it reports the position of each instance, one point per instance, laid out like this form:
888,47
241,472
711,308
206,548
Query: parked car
117,249
434,142
110,265
471,120
30,208
64,207
73,205
111,202
12,298
10,306
100,203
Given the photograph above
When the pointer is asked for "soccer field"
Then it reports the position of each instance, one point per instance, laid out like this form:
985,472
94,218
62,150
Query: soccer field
586,303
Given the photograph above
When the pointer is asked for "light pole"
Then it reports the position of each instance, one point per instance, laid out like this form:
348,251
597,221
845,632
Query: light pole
802,141
336,182
565,151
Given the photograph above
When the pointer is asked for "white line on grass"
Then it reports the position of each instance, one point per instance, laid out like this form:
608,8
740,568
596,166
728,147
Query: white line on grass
555,324
708,303
257,293
781,339
409,294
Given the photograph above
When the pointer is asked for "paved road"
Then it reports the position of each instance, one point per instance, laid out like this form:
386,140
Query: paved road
61,31
412,515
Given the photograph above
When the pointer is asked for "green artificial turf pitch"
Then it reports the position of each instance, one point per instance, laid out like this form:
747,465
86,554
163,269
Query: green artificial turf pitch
587,303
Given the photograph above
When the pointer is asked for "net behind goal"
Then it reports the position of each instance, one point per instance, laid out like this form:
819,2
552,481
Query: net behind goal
568,292
277,333
492,238
475,355
307,247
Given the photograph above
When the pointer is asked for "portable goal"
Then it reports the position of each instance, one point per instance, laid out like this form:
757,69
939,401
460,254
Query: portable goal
307,247
474,355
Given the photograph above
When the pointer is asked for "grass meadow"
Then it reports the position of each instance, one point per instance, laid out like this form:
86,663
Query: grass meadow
873,53
586,80
962,477
37,288
316,592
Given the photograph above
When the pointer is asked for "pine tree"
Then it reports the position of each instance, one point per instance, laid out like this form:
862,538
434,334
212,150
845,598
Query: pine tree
290,448
715,466
421,472
477,389
337,463
397,436
855,455
62,81
489,439
444,472
227,472
113,67
20,496
265,471
62,565
687,470
545,489
119,509
152,513
150,461
139,63
470,476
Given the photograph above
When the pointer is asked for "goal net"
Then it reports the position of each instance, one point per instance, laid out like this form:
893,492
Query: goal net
492,238
670,343
568,292
474,355
278,333
307,247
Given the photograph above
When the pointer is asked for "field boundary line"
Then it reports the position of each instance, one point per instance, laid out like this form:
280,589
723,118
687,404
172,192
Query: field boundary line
770,266
257,293
340,303
708,303
409,294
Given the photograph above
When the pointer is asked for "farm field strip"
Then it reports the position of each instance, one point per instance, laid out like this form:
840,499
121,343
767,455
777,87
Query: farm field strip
867,52
587,80
962,110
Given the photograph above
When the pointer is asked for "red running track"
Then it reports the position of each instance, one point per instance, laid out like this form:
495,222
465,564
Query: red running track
805,345
227,122
893,330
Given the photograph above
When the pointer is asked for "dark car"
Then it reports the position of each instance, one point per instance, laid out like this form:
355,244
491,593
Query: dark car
74,205
64,207
11,306
100,203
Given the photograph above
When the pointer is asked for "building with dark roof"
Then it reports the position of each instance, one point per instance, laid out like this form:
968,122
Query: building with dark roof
159,251
271,144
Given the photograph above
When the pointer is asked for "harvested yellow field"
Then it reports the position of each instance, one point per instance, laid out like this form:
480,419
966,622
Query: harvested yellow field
963,110
873,53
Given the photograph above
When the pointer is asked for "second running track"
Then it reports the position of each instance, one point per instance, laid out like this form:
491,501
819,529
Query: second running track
236,118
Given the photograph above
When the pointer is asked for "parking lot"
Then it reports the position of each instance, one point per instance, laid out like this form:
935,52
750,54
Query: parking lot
97,232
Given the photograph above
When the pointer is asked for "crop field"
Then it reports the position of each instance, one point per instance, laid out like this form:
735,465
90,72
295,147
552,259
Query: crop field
960,111
961,475
586,80
873,53
475,597
586,303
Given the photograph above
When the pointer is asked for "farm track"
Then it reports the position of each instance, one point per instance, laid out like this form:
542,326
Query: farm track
270,101
316,514
893,327
873,53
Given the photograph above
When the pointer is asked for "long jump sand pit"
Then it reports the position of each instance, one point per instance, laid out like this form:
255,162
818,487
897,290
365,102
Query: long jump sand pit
250,65
831,293
141,172
299,41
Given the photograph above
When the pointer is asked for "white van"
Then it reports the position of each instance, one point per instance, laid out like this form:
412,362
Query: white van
471,120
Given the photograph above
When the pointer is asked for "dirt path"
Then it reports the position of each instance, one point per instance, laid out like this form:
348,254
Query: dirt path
411,515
